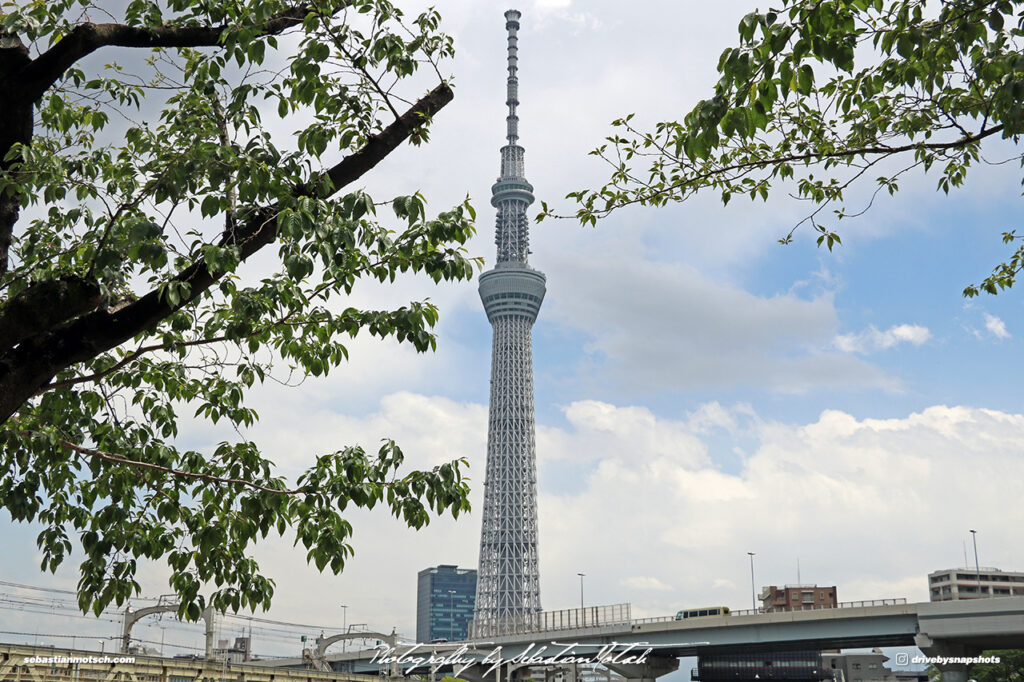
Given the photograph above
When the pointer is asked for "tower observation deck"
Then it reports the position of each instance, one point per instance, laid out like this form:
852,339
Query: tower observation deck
508,580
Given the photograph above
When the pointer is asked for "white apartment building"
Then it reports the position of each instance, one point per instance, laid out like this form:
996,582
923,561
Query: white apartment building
966,583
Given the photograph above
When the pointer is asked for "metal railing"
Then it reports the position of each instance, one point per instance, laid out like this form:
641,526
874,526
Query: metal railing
619,614
851,604
801,607
544,621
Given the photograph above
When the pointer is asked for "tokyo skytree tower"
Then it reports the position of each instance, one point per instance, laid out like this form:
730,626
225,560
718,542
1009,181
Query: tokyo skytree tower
508,580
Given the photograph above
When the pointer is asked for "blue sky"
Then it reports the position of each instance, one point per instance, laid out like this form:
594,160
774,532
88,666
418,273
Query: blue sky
701,391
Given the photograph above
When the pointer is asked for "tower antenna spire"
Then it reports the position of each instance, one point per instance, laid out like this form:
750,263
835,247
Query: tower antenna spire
512,26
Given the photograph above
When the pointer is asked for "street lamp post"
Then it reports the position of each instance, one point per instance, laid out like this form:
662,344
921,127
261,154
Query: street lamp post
977,569
344,627
451,615
583,616
575,668
753,601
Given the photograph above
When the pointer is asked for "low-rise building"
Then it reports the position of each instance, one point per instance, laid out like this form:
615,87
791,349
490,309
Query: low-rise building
858,666
797,597
965,583
233,653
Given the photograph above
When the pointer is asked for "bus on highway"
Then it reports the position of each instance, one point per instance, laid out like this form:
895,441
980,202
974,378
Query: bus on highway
686,614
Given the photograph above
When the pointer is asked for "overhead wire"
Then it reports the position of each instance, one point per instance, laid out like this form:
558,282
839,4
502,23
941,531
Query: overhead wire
286,634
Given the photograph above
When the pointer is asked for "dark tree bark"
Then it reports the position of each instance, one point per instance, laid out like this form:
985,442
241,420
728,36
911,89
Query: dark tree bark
15,127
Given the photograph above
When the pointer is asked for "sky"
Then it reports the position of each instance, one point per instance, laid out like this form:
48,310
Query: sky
701,391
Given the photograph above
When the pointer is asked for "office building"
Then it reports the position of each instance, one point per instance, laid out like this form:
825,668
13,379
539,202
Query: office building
445,597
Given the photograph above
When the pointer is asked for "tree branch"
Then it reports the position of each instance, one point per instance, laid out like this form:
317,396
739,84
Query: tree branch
809,157
86,38
43,306
142,350
121,459
32,364
135,354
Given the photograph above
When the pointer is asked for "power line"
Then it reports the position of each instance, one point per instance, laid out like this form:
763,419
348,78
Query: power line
33,587
68,608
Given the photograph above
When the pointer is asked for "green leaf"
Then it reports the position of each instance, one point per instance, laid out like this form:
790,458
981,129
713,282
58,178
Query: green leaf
805,79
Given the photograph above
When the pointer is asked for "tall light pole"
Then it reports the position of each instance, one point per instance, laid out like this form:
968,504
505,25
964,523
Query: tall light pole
583,614
575,667
344,627
753,601
977,569
451,615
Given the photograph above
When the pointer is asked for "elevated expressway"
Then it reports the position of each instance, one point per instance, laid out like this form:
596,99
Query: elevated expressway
948,629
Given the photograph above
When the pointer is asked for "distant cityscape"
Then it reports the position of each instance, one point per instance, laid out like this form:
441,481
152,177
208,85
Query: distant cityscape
445,604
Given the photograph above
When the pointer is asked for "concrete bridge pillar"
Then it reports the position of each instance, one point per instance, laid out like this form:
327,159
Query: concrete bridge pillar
956,672
951,671
649,671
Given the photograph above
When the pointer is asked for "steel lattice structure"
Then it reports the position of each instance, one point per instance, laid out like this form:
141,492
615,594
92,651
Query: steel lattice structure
508,580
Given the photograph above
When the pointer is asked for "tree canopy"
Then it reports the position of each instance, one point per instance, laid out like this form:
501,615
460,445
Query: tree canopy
1009,669
818,94
148,150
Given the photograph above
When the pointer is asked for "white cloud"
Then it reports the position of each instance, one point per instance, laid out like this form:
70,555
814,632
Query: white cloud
546,5
996,327
871,339
652,325
643,582
711,416
835,493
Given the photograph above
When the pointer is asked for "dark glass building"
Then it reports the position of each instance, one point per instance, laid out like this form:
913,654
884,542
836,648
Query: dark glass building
445,597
